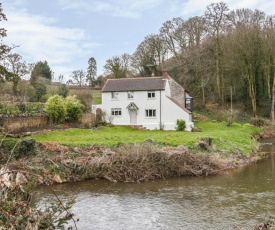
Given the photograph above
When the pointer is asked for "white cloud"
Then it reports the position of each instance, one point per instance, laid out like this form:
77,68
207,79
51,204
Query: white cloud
191,8
119,8
39,39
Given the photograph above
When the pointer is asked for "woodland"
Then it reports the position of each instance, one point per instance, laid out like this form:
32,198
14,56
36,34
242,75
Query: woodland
222,56
219,56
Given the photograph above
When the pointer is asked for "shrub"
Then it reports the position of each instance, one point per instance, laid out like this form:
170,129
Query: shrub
73,109
85,97
181,125
258,121
63,90
56,108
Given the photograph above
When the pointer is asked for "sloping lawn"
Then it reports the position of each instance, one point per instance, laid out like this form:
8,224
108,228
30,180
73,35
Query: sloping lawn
236,137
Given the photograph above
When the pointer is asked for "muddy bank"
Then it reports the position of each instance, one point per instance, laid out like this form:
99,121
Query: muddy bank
127,163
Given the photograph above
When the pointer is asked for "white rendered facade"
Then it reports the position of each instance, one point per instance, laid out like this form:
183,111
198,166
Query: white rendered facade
153,109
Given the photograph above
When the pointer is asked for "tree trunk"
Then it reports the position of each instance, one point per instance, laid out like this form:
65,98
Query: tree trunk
273,101
252,93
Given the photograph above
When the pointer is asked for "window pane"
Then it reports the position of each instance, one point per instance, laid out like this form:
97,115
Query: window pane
150,94
114,95
116,112
130,94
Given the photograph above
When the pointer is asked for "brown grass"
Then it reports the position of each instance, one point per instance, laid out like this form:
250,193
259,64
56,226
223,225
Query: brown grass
126,163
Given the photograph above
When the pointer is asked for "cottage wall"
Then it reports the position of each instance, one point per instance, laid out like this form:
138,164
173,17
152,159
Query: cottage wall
167,112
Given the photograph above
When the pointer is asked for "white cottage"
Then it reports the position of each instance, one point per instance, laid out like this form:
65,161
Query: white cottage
153,102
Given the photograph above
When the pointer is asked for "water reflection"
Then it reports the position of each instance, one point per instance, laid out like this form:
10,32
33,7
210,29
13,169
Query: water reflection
227,201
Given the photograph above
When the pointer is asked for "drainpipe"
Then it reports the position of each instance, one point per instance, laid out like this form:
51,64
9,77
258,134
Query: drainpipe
160,110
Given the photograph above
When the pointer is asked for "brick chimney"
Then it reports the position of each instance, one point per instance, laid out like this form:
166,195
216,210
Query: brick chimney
165,72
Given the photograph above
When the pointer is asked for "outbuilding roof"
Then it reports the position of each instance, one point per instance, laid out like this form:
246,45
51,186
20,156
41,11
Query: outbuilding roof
134,84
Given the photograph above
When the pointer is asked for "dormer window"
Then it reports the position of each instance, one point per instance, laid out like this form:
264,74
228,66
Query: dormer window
151,94
130,94
114,95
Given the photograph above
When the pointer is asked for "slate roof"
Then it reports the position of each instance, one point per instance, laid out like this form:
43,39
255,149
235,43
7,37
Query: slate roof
134,84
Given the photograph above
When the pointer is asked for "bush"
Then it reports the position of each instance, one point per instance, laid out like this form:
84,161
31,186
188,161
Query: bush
259,122
63,90
73,108
181,125
56,108
85,97
60,109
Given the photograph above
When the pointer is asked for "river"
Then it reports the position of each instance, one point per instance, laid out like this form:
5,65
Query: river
239,198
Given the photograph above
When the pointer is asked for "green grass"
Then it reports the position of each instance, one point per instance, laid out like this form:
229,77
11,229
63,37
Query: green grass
96,97
230,139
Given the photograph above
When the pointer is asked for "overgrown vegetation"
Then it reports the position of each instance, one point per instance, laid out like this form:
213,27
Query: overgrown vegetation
59,108
16,183
21,108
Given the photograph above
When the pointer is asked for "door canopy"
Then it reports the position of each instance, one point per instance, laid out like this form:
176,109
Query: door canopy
132,106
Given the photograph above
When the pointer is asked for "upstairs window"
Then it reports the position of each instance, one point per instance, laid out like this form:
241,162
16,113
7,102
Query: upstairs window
114,95
150,113
116,112
130,94
151,94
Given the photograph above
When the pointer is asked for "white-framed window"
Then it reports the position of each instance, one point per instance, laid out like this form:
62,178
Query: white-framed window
114,95
150,113
151,94
116,112
130,94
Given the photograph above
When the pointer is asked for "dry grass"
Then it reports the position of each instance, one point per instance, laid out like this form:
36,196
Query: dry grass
126,163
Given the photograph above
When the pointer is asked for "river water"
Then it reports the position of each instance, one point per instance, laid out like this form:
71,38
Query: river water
239,198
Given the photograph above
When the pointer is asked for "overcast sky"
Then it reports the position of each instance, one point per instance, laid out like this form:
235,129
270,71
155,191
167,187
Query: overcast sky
66,33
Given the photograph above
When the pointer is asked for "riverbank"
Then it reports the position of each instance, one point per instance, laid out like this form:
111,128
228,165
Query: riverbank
165,154
128,163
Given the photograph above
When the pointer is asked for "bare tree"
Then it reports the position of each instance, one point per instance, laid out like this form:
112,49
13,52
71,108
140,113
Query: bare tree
216,20
150,55
118,66
78,77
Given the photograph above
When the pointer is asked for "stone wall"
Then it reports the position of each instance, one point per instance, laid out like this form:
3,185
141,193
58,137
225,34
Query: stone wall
177,92
20,124
23,123
87,118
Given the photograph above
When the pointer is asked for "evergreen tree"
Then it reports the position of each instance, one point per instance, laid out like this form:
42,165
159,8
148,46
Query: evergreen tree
41,69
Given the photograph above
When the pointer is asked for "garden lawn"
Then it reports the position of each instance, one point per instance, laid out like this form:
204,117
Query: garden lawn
236,138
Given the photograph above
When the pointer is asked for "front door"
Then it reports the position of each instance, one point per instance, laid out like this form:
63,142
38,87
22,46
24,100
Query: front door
133,116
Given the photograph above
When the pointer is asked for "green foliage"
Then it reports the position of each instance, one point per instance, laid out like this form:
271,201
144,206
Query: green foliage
18,148
18,109
91,71
40,90
41,69
56,108
63,90
181,125
60,109
85,97
74,109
